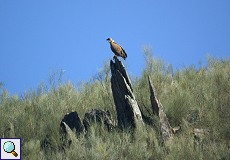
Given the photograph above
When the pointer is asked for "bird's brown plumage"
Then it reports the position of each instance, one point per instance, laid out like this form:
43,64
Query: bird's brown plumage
117,49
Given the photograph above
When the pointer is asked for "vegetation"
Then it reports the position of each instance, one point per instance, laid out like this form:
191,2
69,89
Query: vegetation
192,98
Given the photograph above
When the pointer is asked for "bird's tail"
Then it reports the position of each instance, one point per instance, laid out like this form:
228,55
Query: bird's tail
124,56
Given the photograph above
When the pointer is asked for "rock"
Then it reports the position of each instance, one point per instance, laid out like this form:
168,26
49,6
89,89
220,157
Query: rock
73,121
99,116
153,98
199,136
166,130
128,112
71,125
200,133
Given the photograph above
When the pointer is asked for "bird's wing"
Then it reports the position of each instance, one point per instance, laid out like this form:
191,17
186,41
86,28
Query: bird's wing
118,50
124,55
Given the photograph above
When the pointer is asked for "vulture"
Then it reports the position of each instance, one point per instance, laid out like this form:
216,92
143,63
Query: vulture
117,49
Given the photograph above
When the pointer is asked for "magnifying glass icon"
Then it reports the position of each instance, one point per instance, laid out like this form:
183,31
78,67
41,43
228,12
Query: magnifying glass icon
9,147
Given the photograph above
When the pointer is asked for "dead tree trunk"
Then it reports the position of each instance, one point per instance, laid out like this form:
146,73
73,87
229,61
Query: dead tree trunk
128,112
166,129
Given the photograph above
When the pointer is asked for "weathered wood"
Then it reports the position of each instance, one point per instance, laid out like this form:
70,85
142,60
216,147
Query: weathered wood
166,129
128,112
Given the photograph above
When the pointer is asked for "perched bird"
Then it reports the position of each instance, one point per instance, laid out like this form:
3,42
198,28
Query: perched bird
117,49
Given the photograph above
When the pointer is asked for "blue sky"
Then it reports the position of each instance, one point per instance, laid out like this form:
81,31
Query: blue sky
39,37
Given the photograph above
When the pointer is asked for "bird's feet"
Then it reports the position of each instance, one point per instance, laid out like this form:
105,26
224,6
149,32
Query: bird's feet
114,57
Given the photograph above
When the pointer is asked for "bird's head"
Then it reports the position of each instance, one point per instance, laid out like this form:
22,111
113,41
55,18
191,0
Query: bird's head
110,40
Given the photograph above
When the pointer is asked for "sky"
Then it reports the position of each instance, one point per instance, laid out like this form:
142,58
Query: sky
38,38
